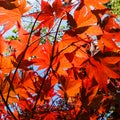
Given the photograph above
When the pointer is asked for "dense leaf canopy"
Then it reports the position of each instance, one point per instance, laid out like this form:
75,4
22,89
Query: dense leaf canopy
65,67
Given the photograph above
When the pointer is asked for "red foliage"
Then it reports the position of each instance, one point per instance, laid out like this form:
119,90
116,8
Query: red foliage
76,75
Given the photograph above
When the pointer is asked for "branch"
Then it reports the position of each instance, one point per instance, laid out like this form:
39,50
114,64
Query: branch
50,65
3,99
27,46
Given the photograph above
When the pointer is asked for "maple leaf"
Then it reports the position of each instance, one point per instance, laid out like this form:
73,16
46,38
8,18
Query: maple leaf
99,4
46,15
115,36
111,59
87,17
27,81
70,41
71,51
7,4
100,72
110,25
70,86
68,38
49,116
6,63
60,67
22,41
87,95
49,13
43,54
85,26
19,87
4,45
71,20
59,9
9,20
23,103
23,65
105,43
111,31
77,57
80,75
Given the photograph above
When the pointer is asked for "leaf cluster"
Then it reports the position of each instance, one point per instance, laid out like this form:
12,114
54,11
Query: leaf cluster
51,72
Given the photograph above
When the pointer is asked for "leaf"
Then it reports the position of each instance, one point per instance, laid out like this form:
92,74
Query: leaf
68,39
71,21
77,57
92,93
28,83
19,87
58,8
5,64
15,16
84,18
23,65
111,60
69,85
7,4
49,13
50,116
59,65
93,30
86,23
96,73
101,72
110,72
107,43
20,45
24,104
110,25
81,30
43,54
4,45
99,4
70,56
112,35
46,15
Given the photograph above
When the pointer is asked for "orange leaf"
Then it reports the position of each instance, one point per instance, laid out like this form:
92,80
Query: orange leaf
10,19
101,72
108,43
6,63
110,73
84,18
69,84
111,60
95,70
93,30
3,46
99,4
43,54
50,116
20,44
92,93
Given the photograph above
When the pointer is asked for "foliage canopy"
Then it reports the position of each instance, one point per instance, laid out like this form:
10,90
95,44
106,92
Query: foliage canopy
57,73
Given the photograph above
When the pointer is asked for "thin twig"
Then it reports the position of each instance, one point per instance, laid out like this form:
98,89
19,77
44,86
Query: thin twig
3,99
21,58
50,65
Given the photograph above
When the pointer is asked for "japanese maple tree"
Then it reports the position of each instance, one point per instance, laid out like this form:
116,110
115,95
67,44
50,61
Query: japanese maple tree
67,73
